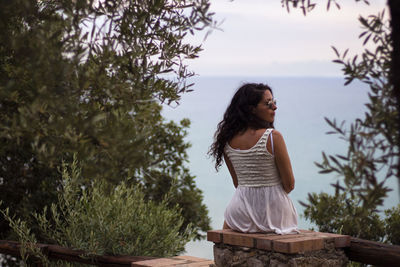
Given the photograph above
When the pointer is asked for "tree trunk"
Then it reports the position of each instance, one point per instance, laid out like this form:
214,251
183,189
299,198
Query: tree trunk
394,6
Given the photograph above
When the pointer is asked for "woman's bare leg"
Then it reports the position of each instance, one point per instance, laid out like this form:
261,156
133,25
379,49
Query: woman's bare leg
225,226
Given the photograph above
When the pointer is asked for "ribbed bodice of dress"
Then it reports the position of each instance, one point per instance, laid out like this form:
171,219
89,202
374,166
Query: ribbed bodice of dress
254,167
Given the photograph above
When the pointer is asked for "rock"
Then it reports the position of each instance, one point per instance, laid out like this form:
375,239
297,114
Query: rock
222,257
277,263
254,262
235,256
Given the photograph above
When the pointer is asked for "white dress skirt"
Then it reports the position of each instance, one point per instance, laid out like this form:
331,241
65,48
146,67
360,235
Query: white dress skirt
260,204
261,210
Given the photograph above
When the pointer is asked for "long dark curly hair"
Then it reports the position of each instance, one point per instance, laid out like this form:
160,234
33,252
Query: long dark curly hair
238,117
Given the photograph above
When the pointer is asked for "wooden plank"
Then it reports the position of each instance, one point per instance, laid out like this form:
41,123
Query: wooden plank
371,252
190,258
279,237
298,244
200,264
58,252
215,236
263,243
156,263
303,231
238,239
341,241
55,252
10,248
188,261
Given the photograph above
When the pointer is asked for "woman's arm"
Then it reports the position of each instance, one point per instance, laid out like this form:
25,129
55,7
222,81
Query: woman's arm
231,170
283,161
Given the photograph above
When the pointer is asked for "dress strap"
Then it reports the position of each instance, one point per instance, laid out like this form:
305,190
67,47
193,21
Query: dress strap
272,142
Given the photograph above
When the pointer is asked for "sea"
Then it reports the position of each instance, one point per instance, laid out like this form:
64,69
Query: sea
303,104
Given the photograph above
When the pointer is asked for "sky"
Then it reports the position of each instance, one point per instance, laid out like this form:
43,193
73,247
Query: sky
260,38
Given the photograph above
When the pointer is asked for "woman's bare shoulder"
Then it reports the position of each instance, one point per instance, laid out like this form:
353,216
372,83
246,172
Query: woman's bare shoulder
277,136
276,133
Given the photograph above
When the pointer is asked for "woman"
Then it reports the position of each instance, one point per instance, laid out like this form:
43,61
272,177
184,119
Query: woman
256,156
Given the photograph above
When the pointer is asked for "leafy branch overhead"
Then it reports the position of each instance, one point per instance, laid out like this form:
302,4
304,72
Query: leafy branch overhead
89,77
307,6
372,158
372,155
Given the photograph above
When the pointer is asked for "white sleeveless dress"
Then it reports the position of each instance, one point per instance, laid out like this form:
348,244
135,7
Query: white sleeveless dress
260,203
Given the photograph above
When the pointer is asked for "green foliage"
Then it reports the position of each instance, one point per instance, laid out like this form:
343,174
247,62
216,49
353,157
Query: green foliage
339,214
119,222
392,222
308,5
26,237
89,77
372,156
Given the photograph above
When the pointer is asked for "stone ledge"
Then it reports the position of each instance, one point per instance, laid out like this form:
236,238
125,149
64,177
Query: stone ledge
290,244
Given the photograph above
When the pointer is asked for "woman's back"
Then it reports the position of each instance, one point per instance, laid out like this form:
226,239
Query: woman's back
254,166
247,139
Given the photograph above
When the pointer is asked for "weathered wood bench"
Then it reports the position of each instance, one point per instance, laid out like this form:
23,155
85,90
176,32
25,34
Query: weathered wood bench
308,248
54,252
183,261
232,248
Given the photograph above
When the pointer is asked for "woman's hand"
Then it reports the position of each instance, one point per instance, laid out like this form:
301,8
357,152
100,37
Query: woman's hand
283,161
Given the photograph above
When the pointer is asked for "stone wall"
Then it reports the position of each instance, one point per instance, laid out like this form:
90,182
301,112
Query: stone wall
256,250
227,255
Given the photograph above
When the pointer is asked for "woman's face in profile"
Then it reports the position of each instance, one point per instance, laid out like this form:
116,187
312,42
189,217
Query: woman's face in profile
265,109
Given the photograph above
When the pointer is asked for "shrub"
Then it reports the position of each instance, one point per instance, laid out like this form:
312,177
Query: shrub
105,220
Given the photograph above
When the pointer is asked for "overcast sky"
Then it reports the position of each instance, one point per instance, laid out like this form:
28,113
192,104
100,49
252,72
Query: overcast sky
260,38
